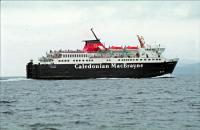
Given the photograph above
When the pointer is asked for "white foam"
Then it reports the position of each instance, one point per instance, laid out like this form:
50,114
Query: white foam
165,76
13,79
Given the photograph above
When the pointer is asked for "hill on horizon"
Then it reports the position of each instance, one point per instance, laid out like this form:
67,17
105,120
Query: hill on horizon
185,69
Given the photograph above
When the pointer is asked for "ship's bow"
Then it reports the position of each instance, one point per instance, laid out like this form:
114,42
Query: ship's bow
170,65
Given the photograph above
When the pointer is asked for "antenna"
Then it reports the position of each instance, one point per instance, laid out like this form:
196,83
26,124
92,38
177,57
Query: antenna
94,34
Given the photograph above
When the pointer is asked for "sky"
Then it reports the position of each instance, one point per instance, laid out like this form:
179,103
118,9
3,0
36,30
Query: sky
30,29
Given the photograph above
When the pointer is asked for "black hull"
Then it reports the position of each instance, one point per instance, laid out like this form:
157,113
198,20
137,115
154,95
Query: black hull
69,71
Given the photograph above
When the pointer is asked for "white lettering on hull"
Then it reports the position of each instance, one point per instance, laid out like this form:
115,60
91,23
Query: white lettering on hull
107,66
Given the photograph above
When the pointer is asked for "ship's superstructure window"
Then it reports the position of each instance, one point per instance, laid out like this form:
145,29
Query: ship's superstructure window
63,60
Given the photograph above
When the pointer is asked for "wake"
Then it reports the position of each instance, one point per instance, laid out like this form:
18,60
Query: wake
12,79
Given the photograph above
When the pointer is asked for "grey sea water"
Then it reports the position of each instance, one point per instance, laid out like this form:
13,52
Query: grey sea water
100,104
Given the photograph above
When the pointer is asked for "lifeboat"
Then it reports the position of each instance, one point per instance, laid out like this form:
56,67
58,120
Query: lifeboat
116,48
131,48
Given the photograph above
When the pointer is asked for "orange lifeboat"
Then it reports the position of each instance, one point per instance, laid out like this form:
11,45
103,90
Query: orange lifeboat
131,48
116,48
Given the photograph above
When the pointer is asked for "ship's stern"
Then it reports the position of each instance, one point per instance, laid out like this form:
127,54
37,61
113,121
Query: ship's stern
29,70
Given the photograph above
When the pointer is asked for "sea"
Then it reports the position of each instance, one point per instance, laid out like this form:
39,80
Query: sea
160,103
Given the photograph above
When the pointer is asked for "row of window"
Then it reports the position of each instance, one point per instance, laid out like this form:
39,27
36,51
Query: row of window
150,49
74,55
75,60
110,60
137,59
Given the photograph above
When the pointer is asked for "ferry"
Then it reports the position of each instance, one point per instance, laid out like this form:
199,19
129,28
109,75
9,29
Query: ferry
96,60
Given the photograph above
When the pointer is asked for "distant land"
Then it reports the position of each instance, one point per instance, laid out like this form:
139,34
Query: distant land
187,69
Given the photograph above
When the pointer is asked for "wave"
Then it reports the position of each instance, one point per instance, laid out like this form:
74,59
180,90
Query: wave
165,76
10,79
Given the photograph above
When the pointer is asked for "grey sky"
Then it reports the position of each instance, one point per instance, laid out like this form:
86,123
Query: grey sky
29,29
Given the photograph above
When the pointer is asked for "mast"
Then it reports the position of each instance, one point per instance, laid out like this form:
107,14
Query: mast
94,34
141,40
